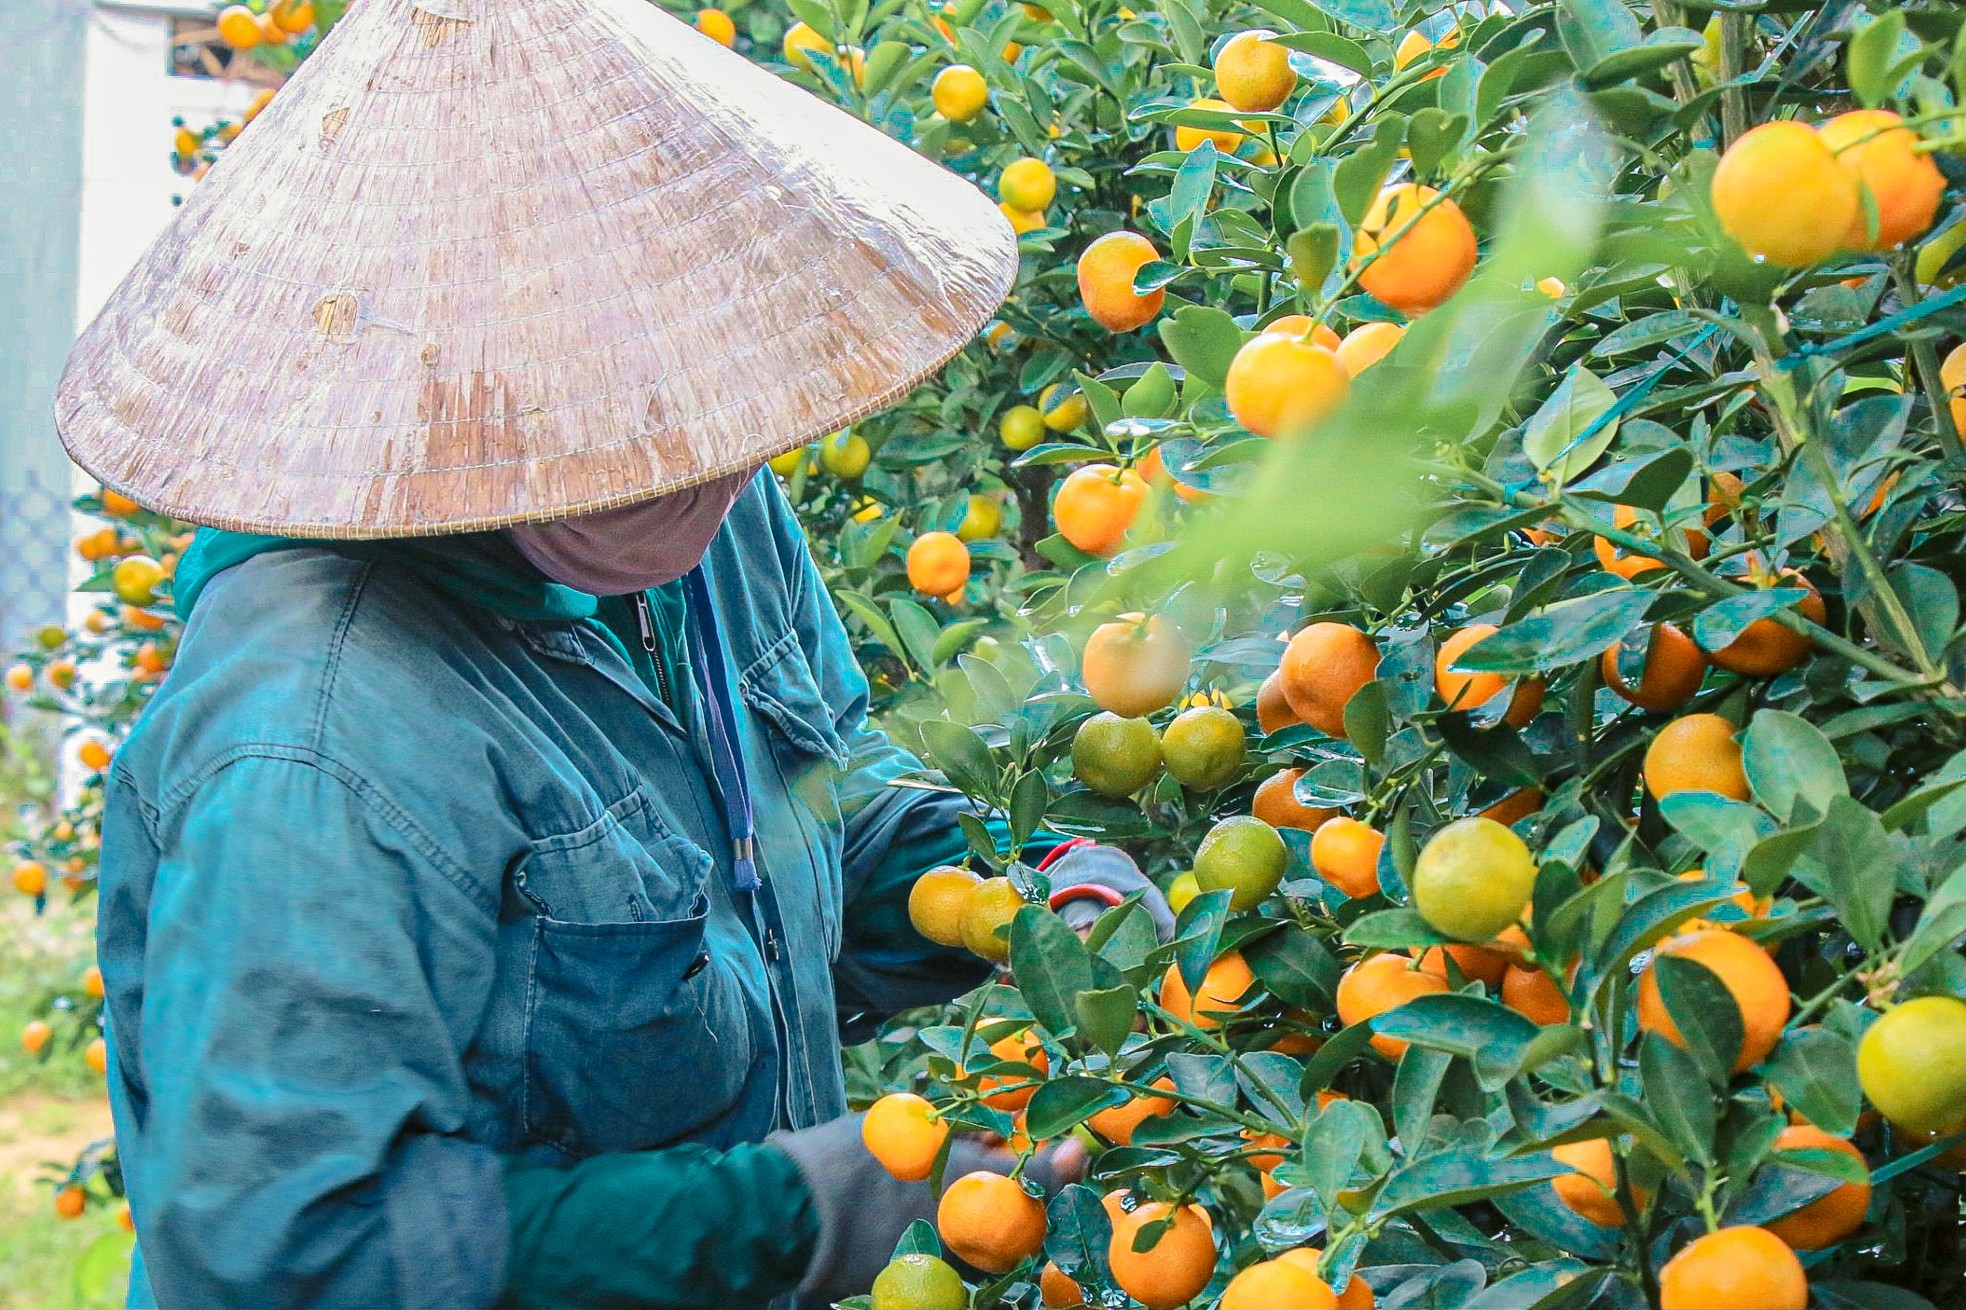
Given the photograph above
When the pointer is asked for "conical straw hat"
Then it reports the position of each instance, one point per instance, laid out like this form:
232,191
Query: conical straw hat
485,262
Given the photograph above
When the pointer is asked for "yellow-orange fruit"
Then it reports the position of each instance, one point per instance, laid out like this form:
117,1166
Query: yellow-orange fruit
1829,1219
1280,385
1904,185
990,1221
1781,194
1227,981
1467,691
1105,272
1380,984
1135,665
1748,972
1176,1268
1695,752
1324,666
1424,254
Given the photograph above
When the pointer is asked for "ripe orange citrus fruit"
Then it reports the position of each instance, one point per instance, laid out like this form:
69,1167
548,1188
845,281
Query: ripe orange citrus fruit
1516,806
1475,962
1737,1268
1303,325
1017,1048
937,902
1243,856
1631,563
717,25
1323,667
990,1221
1276,804
1057,1290
799,44
1748,972
1154,470
1534,995
70,1201
1114,756
136,579
903,1132
991,905
1280,384
96,1056
1022,220
1226,140
1367,344
31,878
1829,1219
1903,184
1176,1268
918,1282
1118,1123
1357,1294
1592,1191
1467,691
1695,752
92,981
1027,184
1420,256
1135,665
1204,748
93,755
1781,194
1912,1064
1417,43
1277,1285
1766,648
1273,712
1379,984
1253,73
959,93
35,1037
1021,427
1345,853
1227,981
1671,674
238,27
1472,879
1096,504
1105,273
20,678
938,563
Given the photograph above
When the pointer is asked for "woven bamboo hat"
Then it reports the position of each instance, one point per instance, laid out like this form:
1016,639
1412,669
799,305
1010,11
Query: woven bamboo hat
486,262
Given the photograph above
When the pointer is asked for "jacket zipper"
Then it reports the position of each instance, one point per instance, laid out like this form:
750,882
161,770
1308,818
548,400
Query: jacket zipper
650,645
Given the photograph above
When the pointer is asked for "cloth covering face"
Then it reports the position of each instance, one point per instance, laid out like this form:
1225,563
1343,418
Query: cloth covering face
400,890
631,549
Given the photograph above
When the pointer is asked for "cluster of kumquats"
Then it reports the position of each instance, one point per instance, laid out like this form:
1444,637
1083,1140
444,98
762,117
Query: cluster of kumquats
1467,495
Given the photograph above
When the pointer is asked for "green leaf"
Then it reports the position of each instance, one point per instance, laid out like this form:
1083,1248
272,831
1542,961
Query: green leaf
1203,341
1932,602
1564,633
1660,48
1459,1176
1369,721
919,631
1594,30
1815,1070
1198,935
1372,15
868,612
954,638
1648,919
1416,1086
1871,55
1565,435
1705,1013
1053,966
1313,253
1336,1139
1645,484
963,758
1458,1024
1788,760
1106,1015
919,1238
1077,1232
1432,136
1355,182
883,62
1393,930
1064,1103
1677,1094
1718,624
1296,967
1855,865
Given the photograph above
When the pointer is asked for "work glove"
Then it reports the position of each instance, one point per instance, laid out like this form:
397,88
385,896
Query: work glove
863,1209
1088,879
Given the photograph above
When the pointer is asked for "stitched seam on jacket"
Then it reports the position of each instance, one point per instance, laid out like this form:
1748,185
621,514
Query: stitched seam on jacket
394,815
337,642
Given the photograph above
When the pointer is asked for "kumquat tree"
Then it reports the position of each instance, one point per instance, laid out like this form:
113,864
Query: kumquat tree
1468,497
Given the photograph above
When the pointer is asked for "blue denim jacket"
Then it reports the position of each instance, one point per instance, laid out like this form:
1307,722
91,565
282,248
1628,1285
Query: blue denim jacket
395,885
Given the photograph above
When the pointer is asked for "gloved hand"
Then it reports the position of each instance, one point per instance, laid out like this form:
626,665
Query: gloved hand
1088,879
863,1209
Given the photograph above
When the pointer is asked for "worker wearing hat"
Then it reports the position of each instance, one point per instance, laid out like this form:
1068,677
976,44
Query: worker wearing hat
486,889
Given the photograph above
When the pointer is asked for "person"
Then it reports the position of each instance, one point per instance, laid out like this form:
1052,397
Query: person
483,906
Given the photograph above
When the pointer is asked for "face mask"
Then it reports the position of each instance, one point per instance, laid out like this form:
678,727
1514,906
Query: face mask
620,551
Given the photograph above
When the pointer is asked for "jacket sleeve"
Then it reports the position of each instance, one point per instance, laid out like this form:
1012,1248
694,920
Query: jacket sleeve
287,1013
687,1226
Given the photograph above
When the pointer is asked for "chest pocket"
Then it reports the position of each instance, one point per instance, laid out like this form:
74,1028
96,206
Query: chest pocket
809,755
637,1033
